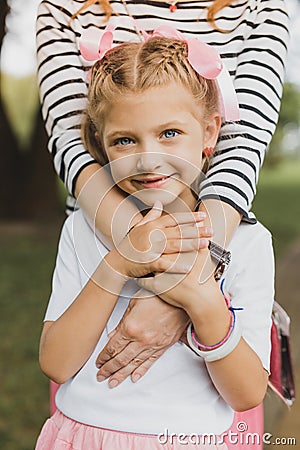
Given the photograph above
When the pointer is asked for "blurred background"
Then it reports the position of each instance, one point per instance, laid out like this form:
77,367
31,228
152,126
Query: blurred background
32,211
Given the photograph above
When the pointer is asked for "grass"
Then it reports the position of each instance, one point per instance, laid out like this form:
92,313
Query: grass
26,265
27,261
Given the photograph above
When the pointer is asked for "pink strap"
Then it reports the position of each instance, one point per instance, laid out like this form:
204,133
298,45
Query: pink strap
203,58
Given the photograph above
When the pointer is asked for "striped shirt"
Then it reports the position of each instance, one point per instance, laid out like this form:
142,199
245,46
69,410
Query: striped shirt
253,49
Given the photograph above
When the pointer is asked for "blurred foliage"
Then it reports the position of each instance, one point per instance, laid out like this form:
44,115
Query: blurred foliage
277,204
289,120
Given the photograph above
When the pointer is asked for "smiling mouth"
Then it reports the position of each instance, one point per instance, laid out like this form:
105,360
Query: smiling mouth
154,181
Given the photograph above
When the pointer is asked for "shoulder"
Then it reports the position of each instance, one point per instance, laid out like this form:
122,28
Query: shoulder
77,221
80,239
251,242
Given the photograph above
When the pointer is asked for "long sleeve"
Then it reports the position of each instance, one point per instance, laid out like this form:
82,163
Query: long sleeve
258,80
63,90
253,49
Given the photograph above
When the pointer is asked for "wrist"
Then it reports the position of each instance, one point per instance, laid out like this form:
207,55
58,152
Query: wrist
109,274
211,318
201,300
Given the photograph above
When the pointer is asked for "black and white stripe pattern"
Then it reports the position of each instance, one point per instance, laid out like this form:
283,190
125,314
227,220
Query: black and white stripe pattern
253,50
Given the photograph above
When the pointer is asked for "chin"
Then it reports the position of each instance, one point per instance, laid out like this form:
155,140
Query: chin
149,196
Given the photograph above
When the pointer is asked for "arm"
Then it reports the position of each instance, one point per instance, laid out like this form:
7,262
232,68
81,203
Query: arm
76,315
62,80
67,343
258,80
240,377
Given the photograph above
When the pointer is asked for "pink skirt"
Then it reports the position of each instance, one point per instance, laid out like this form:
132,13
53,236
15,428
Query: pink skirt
62,433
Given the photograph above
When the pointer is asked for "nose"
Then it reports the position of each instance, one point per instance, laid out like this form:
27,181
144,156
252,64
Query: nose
149,161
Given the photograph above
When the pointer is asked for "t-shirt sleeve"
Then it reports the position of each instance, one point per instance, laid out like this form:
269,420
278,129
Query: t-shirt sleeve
67,280
258,81
63,89
252,289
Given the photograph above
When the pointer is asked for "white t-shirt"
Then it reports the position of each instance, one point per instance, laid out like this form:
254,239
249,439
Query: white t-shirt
177,393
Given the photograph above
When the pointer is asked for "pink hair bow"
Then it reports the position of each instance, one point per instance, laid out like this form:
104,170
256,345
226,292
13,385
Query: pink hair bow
94,43
203,58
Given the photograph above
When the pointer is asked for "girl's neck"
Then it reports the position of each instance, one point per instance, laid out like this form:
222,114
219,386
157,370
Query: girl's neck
184,203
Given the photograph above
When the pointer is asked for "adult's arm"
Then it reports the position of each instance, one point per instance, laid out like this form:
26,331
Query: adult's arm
258,79
62,76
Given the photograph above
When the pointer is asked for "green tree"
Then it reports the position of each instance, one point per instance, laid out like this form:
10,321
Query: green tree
28,184
289,118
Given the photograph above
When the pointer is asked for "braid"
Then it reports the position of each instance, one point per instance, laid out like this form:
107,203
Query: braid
132,68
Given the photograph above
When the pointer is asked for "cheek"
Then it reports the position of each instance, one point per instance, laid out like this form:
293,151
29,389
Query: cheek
121,169
190,167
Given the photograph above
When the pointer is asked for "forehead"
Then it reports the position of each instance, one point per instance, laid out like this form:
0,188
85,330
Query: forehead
157,104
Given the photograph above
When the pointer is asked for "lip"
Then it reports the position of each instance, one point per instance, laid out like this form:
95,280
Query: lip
153,182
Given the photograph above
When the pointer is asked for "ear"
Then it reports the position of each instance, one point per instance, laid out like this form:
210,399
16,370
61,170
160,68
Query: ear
212,130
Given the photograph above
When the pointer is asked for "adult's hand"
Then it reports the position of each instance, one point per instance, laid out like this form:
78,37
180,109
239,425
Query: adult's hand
148,328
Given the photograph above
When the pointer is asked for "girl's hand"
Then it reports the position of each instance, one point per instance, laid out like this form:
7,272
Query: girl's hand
156,244
184,291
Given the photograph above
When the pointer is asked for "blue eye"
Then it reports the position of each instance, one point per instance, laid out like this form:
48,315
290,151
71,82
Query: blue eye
123,141
168,134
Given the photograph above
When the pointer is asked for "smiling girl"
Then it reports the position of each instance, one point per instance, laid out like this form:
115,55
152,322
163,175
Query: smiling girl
152,118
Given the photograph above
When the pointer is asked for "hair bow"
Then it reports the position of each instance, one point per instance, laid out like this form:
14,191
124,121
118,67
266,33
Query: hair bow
94,43
203,58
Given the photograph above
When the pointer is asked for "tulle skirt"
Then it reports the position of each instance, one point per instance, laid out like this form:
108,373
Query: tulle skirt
62,433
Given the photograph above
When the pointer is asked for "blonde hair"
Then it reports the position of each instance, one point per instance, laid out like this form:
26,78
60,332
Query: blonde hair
212,10
132,68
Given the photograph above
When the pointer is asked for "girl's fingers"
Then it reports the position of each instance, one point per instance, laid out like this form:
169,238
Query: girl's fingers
180,219
186,232
175,263
185,245
180,239
154,213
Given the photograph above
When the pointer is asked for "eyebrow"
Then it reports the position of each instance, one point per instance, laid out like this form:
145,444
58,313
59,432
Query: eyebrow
119,133
170,124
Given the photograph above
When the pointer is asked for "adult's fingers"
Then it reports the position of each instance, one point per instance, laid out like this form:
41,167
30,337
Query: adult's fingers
117,343
122,360
180,218
138,366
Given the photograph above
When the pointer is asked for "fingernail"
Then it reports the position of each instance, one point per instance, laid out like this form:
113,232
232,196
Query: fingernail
135,377
113,383
200,214
100,378
209,230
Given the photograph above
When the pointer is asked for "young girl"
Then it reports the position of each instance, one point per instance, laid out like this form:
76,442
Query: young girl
152,114
251,35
